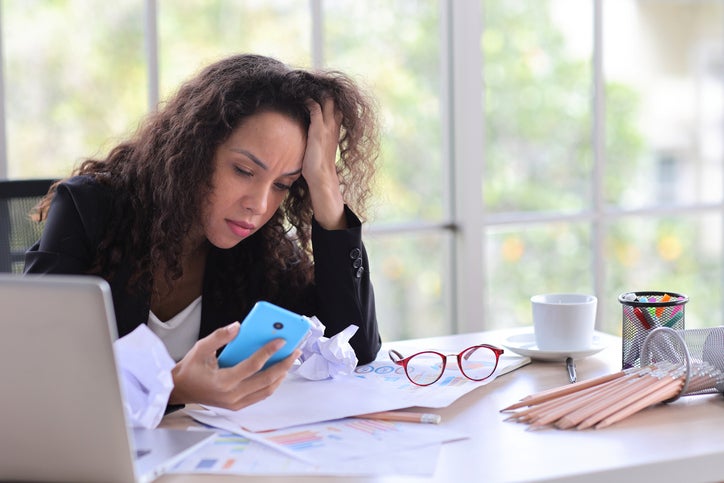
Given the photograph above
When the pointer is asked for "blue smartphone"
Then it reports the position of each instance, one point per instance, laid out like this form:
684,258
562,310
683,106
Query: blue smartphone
265,322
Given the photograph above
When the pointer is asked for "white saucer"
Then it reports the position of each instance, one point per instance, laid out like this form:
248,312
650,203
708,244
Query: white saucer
524,344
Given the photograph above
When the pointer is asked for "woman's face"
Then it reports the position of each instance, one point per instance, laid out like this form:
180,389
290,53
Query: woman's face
253,171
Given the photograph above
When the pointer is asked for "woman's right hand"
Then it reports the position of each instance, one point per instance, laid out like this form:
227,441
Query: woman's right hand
199,379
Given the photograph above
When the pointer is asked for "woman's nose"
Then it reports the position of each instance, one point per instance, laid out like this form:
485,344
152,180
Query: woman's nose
256,200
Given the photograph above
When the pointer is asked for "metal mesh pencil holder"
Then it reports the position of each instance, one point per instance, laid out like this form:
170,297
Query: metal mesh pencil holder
644,312
698,352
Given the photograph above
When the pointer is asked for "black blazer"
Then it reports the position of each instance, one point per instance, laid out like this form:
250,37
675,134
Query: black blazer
341,294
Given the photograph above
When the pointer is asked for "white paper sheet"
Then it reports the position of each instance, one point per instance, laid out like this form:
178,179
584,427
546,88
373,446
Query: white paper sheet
451,386
301,401
145,367
341,439
379,386
233,454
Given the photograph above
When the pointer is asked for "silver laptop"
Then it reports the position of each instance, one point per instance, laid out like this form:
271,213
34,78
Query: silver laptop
61,413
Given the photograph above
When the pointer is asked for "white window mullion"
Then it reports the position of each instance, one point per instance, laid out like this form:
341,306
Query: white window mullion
449,275
466,137
317,19
3,138
151,43
600,223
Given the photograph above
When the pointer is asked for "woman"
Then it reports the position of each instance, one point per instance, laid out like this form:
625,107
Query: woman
231,193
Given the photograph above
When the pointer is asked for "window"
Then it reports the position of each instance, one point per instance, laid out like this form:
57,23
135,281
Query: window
528,147
74,82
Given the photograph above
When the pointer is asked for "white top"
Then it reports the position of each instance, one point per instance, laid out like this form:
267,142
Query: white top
181,331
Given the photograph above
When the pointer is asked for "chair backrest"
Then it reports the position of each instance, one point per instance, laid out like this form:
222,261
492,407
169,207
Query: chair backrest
17,231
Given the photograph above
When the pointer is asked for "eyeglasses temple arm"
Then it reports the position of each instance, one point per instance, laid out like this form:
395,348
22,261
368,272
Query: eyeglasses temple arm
395,356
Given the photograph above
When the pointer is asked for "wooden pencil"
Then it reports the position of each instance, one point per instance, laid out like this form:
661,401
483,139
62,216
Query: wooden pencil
662,394
562,390
602,398
403,416
534,410
559,411
600,402
643,389
580,402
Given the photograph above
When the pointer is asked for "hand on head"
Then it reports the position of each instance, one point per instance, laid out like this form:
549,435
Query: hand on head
199,379
319,165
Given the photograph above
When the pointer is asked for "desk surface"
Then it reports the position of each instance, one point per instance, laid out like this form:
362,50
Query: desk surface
681,441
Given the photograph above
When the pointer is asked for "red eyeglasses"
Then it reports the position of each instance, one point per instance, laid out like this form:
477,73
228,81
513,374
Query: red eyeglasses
477,363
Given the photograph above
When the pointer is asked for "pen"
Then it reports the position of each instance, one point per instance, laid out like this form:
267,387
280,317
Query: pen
571,366
673,320
403,416
642,314
660,310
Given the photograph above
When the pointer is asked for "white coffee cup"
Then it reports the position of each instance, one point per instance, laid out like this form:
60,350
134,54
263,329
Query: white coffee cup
563,321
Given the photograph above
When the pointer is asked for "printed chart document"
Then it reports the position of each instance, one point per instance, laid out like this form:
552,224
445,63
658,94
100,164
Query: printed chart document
234,454
348,446
348,438
378,386
316,436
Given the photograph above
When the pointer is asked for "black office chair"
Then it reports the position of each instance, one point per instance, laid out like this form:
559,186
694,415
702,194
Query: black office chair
17,231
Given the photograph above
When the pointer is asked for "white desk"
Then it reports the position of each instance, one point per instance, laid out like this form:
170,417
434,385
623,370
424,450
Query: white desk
678,442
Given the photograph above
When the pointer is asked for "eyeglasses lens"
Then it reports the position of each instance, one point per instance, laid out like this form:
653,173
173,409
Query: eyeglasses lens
478,362
425,368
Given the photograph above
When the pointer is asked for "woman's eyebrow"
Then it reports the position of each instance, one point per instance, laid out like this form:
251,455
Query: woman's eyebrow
253,158
261,164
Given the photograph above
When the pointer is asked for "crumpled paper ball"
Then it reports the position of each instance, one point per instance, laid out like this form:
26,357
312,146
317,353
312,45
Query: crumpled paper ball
144,366
326,357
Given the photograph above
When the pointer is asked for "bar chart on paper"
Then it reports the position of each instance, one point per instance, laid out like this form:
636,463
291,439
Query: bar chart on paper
352,433
348,442
299,441
231,453
236,445
236,455
356,438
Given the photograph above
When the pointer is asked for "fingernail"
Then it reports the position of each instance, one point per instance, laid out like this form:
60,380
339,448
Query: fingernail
232,325
279,343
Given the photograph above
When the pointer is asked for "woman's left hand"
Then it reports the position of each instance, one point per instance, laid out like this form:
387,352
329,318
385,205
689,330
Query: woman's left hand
319,168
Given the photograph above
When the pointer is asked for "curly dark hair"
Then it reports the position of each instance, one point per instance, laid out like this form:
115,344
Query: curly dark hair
161,176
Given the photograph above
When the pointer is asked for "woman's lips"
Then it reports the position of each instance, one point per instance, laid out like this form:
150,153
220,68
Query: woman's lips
240,228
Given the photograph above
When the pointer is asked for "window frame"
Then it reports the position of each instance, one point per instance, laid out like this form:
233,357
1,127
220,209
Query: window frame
463,145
